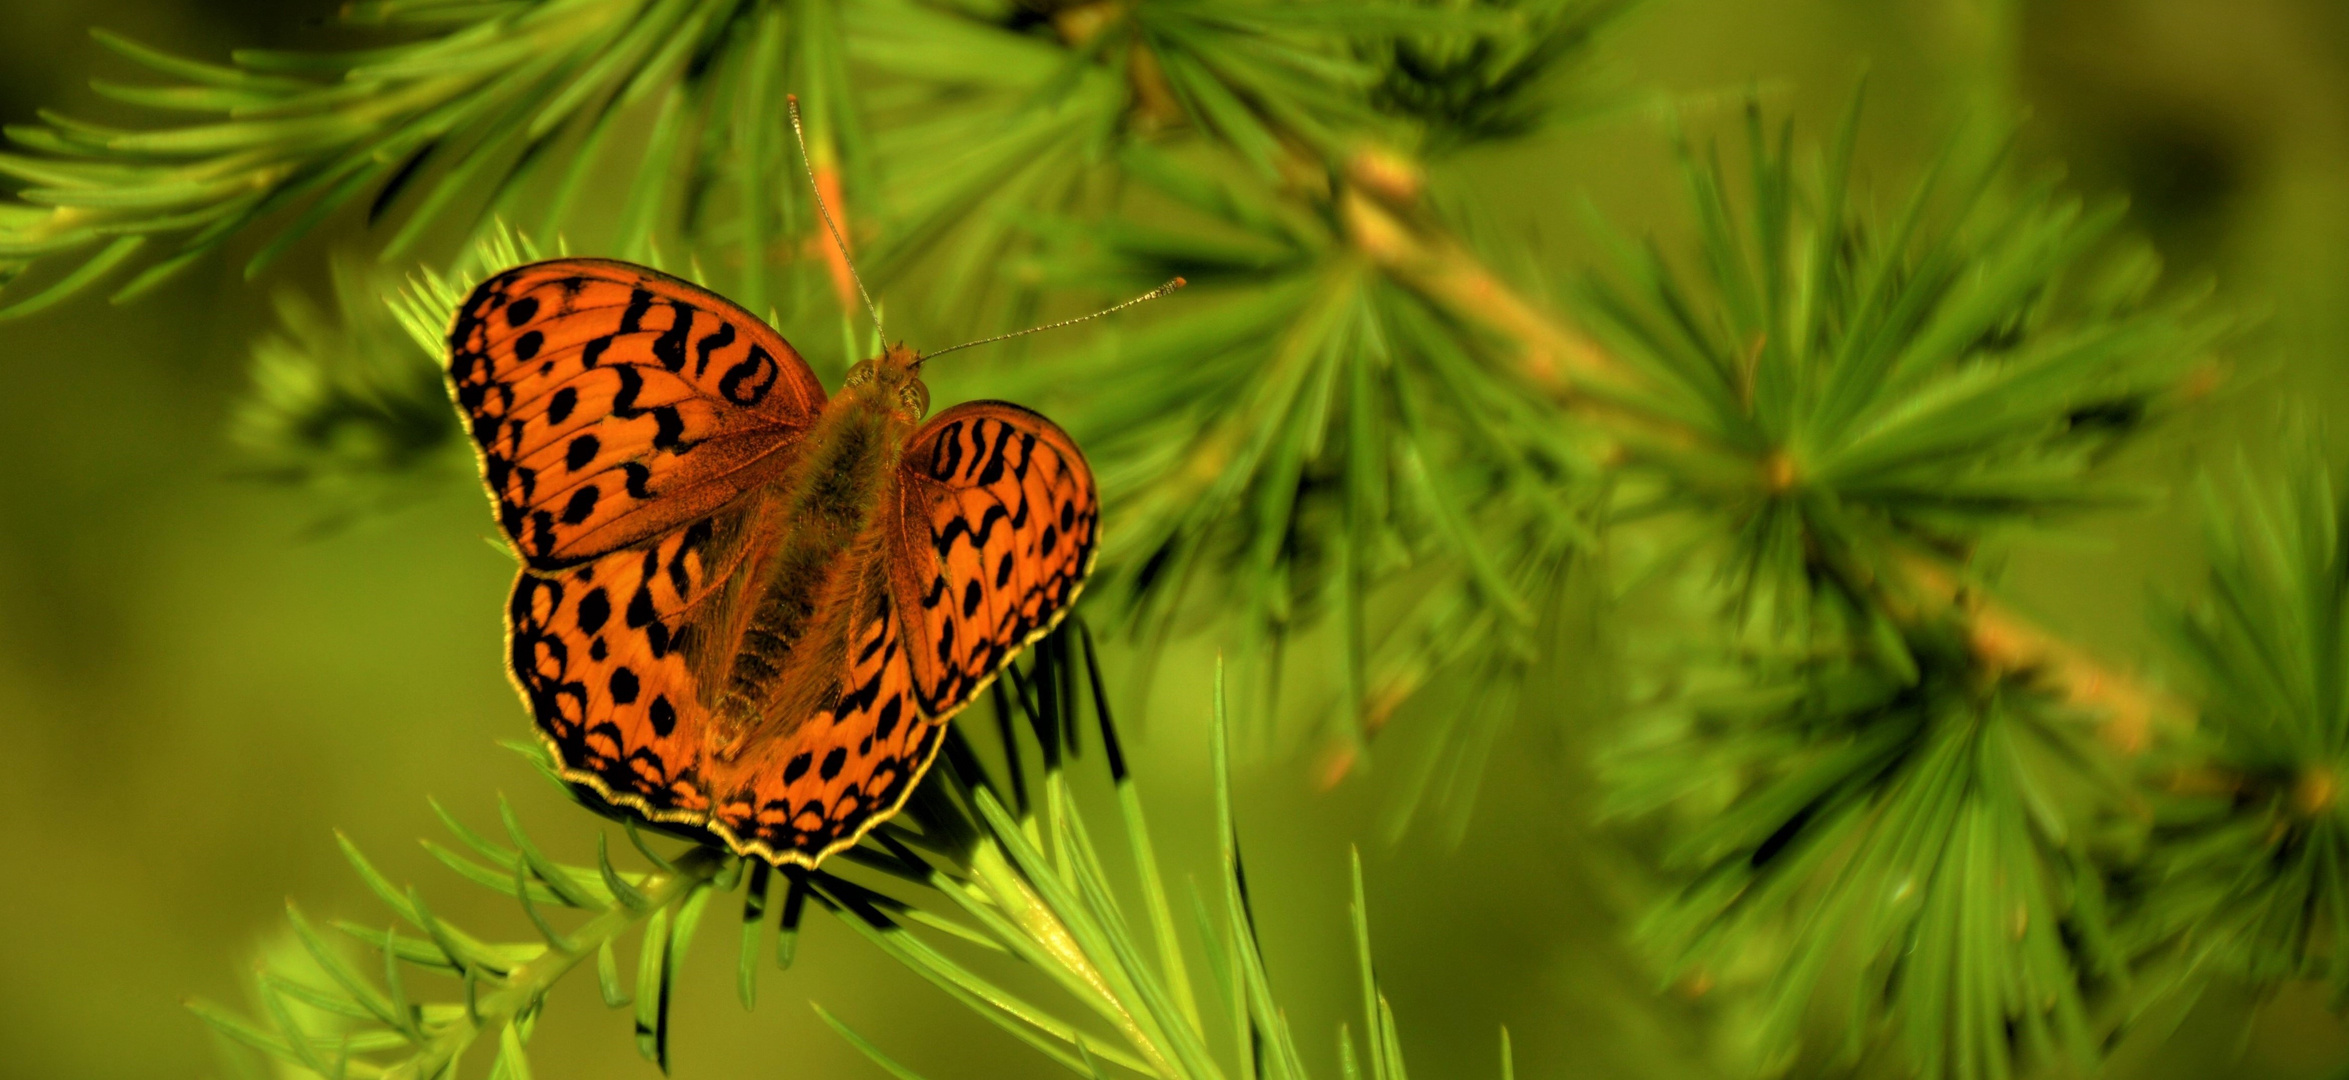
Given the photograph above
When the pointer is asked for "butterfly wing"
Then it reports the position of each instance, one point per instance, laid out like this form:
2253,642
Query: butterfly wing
848,768
996,527
621,415
603,652
991,496
612,403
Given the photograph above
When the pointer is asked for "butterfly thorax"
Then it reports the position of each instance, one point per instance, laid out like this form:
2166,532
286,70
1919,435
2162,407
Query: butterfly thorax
816,566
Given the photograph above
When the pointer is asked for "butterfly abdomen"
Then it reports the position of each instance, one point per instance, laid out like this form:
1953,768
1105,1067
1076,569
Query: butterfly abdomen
802,606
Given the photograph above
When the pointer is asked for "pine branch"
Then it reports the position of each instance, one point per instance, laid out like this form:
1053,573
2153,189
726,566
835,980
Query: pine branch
2244,871
1386,220
504,985
2132,711
1592,384
1912,859
1581,376
1899,782
458,125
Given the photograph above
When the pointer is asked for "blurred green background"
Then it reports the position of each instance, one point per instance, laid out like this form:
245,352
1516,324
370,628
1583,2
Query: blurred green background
196,688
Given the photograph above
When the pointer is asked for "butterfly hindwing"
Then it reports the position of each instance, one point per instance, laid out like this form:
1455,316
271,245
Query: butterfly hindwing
850,766
603,653
997,523
612,404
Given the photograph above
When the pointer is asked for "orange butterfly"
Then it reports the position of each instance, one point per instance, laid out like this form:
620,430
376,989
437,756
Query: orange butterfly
742,605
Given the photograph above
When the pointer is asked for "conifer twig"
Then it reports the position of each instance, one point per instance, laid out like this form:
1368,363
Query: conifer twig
2006,641
1557,357
1582,376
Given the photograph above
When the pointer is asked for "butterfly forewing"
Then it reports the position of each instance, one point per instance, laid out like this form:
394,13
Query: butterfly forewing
612,404
996,533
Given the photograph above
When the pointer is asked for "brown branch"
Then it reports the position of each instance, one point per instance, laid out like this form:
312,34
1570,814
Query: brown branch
1557,358
2004,641
1378,207
1561,361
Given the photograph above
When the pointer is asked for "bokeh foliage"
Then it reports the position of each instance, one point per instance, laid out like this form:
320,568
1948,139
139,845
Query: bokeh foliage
2245,867
1367,452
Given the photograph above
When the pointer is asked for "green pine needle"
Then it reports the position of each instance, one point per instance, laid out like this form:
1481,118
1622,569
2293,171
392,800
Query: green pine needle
1910,859
2248,867
1853,385
445,129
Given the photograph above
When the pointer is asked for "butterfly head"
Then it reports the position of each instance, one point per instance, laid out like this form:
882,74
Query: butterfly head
895,379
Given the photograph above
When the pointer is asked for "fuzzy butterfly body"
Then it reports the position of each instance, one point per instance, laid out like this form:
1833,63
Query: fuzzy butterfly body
745,605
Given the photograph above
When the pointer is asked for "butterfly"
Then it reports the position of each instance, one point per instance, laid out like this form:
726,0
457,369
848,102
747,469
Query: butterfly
743,605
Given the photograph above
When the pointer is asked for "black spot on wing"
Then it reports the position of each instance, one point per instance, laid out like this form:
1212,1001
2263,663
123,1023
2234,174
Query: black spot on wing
558,407
640,301
582,451
987,522
946,453
710,343
594,609
624,402
669,347
697,535
668,429
581,506
994,467
747,382
1027,454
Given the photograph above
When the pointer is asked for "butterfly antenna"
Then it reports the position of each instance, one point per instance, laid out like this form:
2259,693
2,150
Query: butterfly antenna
1153,294
807,163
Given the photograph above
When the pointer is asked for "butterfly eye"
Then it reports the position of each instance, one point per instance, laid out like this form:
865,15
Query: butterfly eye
915,397
859,375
